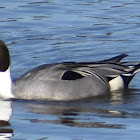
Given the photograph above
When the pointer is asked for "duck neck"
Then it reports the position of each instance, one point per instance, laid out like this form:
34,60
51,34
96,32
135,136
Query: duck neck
6,84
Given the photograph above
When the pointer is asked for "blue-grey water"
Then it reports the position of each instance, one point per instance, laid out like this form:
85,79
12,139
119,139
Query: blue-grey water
49,31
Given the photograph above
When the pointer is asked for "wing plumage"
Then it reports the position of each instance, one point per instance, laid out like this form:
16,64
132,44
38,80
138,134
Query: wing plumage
75,80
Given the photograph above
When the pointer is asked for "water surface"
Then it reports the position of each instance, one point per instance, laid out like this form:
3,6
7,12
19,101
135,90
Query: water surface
49,31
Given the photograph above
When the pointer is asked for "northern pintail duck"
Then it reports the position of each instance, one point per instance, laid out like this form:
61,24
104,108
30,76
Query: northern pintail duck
67,80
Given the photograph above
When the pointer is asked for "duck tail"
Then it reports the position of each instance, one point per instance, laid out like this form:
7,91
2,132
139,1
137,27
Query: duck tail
137,68
127,77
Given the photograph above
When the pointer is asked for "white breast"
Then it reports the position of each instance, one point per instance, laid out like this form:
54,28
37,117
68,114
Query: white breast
6,84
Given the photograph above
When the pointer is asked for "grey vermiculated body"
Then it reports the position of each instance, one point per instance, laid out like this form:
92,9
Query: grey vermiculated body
46,83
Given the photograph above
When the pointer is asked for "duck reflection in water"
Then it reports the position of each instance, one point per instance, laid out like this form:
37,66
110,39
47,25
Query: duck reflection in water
5,114
73,114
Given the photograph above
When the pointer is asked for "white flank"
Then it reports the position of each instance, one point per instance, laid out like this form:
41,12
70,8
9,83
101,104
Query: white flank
6,84
116,83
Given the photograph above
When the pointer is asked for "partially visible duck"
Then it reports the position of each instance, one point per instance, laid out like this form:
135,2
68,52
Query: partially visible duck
67,80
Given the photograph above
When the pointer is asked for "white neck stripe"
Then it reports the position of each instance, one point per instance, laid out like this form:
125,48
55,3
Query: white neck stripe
6,84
